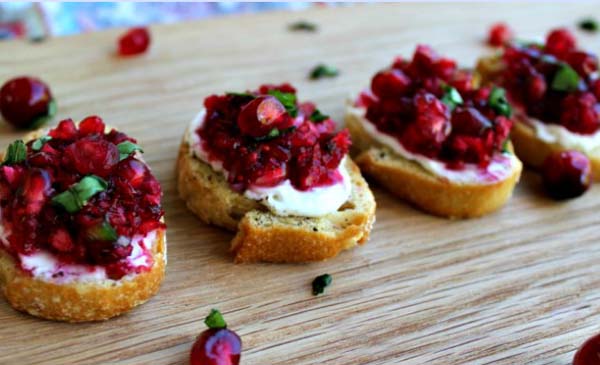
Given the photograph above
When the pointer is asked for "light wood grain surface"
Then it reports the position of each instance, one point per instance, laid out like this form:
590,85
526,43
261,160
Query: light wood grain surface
517,287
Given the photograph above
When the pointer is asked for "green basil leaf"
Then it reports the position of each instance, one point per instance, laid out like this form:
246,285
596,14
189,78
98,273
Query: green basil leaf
565,79
16,153
317,116
320,283
127,148
323,70
303,25
40,142
77,196
497,101
215,320
451,97
288,100
102,232
589,24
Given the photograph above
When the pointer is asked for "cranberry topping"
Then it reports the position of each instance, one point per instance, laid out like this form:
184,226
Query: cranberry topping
499,35
265,137
589,352
432,108
26,102
566,174
134,42
217,345
80,194
555,82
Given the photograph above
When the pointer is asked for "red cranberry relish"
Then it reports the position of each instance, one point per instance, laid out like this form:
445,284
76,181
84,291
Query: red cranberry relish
433,109
265,137
80,194
555,82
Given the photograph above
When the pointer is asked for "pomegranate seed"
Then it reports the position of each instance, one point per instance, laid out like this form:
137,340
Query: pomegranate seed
91,125
390,82
260,116
134,42
499,35
66,129
560,42
566,174
589,352
90,156
26,102
132,171
61,240
216,345
36,190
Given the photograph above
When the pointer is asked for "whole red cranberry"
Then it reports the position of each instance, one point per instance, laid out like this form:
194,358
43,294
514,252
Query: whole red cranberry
536,87
26,102
217,345
589,352
133,171
134,42
566,174
390,83
560,42
36,190
260,116
499,35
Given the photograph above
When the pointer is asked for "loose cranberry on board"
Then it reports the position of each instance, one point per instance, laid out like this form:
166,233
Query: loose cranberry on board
136,41
566,174
589,352
499,35
217,345
26,102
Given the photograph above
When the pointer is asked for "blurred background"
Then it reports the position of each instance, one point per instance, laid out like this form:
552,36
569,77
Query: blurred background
38,20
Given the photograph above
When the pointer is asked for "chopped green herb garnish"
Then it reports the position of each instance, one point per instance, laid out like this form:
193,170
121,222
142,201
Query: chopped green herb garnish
215,320
126,148
103,232
39,121
320,283
451,97
528,43
303,25
323,70
589,24
77,196
16,153
40,142
565,79
288,100
505,146
499,103
317,116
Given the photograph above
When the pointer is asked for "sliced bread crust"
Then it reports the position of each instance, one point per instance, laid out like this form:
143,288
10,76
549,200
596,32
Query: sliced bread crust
80,302
264,236
411,182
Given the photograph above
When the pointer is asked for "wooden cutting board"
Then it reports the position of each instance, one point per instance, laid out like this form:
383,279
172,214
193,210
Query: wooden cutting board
520,286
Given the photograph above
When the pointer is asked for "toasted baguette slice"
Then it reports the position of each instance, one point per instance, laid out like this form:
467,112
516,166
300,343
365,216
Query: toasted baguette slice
530,149
533,151
80,301
263,236
411,182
